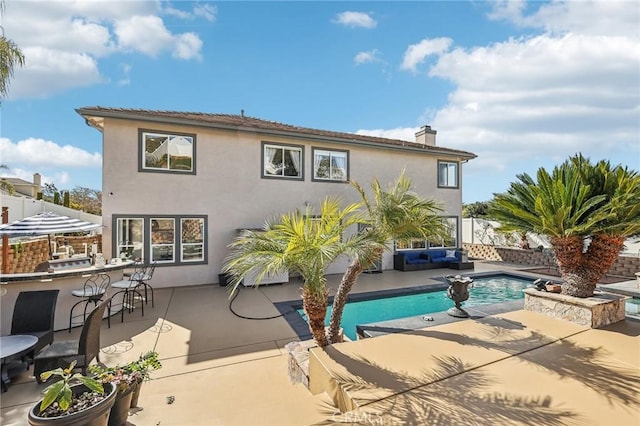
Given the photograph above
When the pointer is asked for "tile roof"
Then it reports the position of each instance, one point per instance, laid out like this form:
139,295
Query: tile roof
93,115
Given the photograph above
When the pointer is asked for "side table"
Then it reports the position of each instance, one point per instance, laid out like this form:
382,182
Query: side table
11,349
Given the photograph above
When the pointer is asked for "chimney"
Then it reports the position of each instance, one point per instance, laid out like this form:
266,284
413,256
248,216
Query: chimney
426,136
37,183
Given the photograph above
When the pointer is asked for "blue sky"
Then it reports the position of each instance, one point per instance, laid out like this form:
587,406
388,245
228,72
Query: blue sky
521,84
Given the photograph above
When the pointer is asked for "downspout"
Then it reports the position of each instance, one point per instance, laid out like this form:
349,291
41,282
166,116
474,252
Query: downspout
5,242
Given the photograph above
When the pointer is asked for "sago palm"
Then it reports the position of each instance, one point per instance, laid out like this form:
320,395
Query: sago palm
302,243
587,211
396,213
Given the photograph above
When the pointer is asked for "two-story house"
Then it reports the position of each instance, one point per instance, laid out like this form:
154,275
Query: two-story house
178,186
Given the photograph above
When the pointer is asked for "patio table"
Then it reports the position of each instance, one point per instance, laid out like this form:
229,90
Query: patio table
12,347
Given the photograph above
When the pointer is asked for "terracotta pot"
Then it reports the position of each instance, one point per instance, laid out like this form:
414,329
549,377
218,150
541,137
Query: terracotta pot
554,288
96,415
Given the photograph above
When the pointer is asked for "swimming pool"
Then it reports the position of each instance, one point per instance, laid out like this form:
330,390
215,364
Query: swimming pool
486,290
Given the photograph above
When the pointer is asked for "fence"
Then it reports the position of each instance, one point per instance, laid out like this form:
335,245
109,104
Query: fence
486,232
21,207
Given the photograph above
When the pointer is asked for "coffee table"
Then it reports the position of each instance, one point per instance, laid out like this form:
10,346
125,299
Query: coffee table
11,349
461,265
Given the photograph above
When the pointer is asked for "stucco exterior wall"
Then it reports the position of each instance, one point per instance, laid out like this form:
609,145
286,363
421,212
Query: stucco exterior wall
228,187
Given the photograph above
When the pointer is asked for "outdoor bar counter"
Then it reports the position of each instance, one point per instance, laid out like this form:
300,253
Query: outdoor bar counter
66,281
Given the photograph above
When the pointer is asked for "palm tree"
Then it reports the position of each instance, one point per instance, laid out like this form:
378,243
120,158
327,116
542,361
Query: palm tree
303,243
10,56
397,213
587,211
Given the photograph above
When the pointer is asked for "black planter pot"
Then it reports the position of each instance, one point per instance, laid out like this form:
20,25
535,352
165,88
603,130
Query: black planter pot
120,409
96,415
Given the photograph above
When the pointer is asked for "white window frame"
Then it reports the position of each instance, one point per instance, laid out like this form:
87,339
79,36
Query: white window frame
418,244
269,169
168,247
448,171
130,247
172,140
184,244
339,154
147,245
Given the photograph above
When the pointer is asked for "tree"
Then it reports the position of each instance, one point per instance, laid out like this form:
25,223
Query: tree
396,213
6,185
477,209
86,199
300,243
10,57
587,211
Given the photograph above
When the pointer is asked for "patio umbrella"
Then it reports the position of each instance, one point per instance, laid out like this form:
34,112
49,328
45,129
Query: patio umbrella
46,223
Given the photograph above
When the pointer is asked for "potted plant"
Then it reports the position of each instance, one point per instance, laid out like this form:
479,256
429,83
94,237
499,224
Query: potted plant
74,400
144,365
125,382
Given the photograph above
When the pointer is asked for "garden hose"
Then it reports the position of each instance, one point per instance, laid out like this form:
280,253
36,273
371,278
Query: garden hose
233,298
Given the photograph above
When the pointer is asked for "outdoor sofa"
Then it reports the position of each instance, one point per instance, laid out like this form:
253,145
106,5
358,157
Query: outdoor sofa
416,260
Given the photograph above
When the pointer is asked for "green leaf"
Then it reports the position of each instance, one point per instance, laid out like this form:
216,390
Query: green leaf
92,384
51,394
65,398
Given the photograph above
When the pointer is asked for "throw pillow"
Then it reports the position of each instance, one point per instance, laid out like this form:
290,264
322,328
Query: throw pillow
451,253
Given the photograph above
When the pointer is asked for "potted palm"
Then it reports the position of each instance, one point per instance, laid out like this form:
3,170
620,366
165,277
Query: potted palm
74,400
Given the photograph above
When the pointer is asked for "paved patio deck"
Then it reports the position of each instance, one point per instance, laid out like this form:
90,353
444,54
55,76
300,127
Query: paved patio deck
513,368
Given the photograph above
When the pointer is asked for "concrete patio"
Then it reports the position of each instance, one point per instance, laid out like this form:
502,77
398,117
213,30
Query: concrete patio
509,368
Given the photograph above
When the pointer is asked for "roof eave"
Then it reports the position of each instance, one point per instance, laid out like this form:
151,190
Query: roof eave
96,120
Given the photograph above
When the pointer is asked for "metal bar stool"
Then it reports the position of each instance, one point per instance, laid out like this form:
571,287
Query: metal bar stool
143,277
128,288
95,290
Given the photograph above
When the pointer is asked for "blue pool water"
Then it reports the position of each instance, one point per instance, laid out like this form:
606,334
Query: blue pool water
485,291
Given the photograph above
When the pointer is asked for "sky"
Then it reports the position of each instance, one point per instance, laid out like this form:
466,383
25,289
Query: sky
523,85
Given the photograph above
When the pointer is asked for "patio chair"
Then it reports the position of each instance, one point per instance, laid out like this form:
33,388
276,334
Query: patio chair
34,314
94,290
83,350
128,288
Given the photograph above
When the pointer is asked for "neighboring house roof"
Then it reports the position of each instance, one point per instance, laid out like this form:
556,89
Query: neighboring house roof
95,116
19,186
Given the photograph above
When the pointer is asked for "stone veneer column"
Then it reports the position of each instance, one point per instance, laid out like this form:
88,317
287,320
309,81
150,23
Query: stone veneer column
597,311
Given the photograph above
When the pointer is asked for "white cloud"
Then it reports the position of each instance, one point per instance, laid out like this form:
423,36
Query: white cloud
417,53
187,46
367,57
355,20
403,133
206,11
46,154
145,34
584,17
47,72
574,88
81,33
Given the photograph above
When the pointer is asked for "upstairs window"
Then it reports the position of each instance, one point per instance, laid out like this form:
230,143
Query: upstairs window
282,161
166,152
330,165
447,174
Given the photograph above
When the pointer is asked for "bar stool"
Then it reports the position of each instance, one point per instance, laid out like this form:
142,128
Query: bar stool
143,277
94,290
128,289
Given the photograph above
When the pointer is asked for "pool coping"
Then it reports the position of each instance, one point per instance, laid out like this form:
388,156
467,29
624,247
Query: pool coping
289,308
